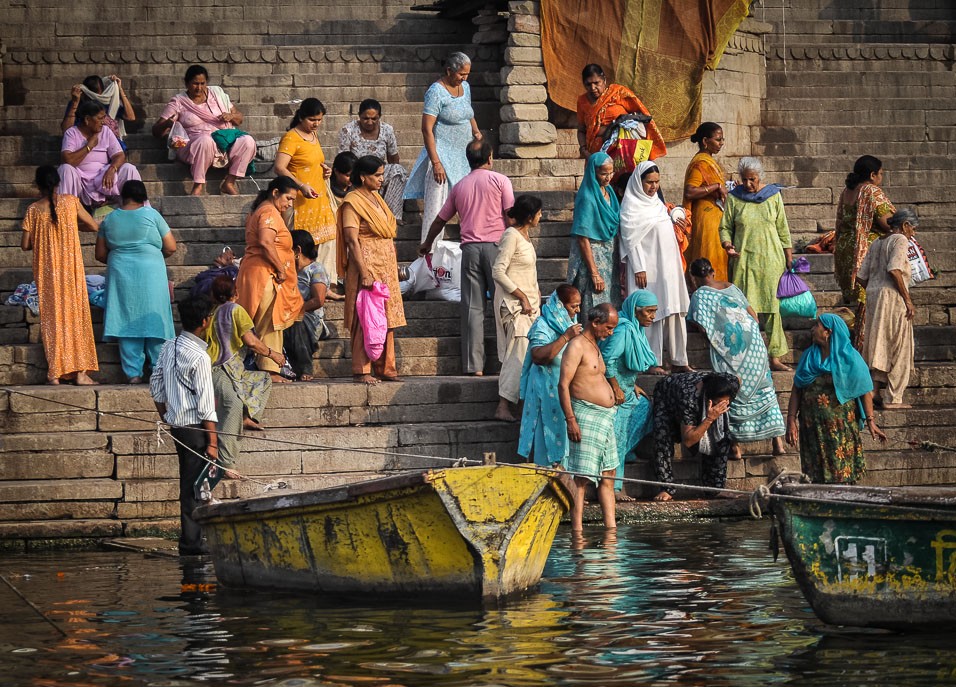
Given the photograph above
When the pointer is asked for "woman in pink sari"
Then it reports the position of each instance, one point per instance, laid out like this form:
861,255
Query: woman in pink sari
202,110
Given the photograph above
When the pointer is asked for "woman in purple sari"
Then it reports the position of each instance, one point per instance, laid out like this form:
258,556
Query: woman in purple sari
204,110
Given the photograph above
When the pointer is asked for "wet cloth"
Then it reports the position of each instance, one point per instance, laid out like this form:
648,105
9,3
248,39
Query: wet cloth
760,233
854,234
737,348
706,214
596,453
543,427
66,327
313,215
626,354
111,100
515,268
888,345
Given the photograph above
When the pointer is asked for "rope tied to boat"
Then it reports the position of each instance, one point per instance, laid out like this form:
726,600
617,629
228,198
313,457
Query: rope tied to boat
760,498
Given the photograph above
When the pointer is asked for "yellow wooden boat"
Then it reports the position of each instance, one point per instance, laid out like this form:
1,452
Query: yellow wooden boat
483,531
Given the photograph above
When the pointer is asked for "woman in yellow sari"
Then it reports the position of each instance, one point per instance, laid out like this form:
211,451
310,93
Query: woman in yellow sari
366,230
602,103
300,157
705,191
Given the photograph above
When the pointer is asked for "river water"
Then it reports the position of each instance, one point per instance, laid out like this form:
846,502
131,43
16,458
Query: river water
666,603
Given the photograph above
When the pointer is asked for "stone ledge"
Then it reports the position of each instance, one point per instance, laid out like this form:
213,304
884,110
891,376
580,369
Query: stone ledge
938,53
398,53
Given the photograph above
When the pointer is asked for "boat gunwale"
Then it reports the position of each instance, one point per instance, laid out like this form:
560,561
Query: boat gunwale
940,498
346,493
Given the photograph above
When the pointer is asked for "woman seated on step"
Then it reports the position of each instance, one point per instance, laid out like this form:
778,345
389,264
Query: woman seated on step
369,135
109,94
213,138
94,165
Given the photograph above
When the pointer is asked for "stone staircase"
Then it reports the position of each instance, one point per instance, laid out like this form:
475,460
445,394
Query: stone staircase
84,472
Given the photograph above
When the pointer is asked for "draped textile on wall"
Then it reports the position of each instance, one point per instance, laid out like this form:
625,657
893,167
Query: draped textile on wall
657,48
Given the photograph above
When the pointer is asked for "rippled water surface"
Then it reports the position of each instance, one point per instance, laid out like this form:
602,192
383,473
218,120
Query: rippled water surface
684,604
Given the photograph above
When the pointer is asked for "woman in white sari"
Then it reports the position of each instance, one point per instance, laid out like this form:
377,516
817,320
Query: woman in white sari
652,261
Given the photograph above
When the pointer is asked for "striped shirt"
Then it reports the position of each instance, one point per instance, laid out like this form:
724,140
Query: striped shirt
182,380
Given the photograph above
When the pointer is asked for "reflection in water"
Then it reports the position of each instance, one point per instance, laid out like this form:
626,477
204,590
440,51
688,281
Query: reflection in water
676,603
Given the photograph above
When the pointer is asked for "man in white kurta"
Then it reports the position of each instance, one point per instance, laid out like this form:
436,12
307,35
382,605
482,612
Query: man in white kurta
653,261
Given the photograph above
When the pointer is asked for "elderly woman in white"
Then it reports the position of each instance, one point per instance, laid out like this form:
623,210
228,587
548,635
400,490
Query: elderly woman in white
652,261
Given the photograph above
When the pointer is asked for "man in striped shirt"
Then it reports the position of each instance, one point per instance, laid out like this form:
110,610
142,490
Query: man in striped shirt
181,386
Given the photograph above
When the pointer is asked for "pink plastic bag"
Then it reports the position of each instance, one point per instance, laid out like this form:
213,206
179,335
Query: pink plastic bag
370,309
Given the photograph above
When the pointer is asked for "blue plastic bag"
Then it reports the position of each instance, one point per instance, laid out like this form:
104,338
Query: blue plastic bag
801,305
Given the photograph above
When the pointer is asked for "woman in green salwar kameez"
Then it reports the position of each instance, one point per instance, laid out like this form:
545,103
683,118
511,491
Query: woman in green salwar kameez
756,236
831,401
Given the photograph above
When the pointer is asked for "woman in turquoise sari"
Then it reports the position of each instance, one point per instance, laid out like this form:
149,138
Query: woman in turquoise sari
721,310
591,265
831,401
627,353
543,427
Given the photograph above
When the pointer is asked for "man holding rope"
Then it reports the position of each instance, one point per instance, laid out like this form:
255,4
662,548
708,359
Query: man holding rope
588,404
181,386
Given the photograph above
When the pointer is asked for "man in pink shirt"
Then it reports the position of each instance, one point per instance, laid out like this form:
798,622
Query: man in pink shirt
481,200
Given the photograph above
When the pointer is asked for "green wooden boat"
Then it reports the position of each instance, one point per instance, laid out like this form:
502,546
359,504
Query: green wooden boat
872,556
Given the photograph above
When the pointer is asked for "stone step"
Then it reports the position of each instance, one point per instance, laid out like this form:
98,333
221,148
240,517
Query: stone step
823,95
851,76
298,28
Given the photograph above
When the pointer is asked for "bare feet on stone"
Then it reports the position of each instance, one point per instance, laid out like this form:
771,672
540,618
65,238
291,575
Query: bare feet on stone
678,369
279,379
663,496
778,448
252,425
229,188
735,453
778,365
83,379
657,370
364,379
621,497
896,406
198,190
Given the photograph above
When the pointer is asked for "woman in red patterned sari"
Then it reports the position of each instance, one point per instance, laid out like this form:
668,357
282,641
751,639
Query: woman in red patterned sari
862,212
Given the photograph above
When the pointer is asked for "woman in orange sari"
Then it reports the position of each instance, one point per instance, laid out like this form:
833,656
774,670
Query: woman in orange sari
705,190
50,230
267,283
862,211
602,103
365,247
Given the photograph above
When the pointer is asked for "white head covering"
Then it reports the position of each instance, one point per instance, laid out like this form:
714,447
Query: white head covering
111,100
640,213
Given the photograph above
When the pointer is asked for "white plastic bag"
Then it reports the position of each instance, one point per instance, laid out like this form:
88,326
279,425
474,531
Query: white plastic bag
176,139
446,264
420,278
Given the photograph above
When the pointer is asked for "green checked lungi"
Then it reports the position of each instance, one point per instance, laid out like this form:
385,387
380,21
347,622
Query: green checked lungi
597,450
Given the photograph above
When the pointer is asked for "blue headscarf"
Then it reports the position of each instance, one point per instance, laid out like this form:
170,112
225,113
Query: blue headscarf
554,316
628,340
595,217
766,193
851,377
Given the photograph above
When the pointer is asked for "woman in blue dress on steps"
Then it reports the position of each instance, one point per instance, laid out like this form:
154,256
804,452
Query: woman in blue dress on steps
133,242
448,125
